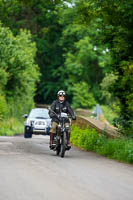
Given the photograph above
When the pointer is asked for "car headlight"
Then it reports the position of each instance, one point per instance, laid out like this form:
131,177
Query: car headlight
28,123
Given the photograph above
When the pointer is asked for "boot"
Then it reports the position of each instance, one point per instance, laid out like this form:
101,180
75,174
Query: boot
51,140
68,141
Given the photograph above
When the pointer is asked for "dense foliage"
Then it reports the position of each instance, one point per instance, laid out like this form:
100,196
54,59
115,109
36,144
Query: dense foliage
84,47
65,48
89,139
18,72
12,126
116,20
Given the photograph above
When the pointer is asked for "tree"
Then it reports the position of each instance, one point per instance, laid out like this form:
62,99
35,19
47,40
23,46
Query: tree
18,72
85,57
82,97
116,22
41,18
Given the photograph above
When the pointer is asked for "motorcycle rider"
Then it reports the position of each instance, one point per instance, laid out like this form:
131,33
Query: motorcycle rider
58,106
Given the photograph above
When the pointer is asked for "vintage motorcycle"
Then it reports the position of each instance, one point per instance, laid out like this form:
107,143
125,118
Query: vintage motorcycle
60,139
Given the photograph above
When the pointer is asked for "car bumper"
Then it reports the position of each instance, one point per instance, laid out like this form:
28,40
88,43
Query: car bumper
44,131
40,131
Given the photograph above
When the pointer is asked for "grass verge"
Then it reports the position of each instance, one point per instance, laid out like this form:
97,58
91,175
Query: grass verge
11,126
89,139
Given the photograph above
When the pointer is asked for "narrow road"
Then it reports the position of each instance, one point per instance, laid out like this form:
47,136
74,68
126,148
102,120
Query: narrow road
30,171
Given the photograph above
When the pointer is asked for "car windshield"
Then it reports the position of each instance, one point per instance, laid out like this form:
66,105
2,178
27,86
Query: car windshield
39,113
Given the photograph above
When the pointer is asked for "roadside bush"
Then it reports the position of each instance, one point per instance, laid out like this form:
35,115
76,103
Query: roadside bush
11,126
3,108
89,139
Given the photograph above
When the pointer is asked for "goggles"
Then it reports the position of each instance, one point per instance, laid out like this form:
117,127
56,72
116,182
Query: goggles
61,95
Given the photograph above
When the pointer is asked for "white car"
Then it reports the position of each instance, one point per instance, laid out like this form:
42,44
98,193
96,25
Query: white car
37,122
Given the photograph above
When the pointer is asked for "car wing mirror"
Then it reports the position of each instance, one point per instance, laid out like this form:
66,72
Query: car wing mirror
25,115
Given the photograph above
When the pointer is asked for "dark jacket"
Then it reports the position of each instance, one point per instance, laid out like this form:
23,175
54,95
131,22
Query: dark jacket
58,107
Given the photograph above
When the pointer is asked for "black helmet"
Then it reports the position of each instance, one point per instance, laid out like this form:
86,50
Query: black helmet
61,93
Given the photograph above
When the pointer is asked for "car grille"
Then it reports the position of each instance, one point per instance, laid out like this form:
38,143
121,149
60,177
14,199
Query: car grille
39,123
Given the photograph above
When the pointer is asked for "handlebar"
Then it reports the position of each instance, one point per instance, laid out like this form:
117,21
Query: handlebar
62,115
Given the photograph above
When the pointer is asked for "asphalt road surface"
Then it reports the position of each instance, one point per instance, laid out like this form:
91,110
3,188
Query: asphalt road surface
30,171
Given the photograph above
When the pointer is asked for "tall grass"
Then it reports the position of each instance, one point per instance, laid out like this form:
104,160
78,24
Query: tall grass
11,126
89,139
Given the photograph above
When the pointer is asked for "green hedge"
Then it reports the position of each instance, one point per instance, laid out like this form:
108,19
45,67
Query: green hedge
89,139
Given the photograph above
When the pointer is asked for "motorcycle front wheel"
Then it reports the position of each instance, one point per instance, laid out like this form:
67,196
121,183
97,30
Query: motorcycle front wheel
58,148
63,145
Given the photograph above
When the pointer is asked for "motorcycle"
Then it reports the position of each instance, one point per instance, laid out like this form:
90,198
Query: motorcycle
60,140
